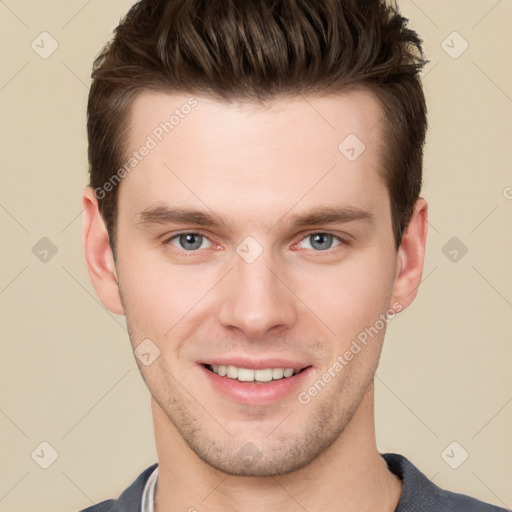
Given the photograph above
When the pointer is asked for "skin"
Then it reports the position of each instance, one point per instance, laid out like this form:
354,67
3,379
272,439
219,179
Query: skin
256,166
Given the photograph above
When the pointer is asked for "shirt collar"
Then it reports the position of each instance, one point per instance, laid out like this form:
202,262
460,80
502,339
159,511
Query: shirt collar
148,495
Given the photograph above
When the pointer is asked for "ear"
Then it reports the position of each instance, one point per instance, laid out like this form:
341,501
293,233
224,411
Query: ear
410,256
98,254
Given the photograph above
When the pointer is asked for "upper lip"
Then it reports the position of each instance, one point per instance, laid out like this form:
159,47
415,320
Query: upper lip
252,364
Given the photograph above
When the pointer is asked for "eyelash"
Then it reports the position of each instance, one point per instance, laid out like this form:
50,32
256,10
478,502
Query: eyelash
343,241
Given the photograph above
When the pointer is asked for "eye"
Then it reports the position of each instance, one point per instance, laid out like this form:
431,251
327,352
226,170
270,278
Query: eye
188,241
321,241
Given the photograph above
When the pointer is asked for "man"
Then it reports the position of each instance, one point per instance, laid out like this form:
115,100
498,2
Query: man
254,211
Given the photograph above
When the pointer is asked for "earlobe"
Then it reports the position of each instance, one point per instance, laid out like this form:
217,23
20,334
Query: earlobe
411,255
98,254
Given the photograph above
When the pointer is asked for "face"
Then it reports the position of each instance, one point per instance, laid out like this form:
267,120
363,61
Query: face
250,242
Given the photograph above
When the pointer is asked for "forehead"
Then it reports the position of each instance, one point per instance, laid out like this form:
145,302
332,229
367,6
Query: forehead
167,116
247,156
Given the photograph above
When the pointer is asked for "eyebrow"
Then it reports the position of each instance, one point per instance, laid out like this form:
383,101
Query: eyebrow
163,214
328,215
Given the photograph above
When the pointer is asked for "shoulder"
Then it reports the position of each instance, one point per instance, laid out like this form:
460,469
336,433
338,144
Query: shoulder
129,500
419,494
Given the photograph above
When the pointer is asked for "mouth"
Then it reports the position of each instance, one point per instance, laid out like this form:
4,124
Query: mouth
255,383
256,376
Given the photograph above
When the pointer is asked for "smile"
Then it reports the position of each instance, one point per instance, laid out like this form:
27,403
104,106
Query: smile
255,382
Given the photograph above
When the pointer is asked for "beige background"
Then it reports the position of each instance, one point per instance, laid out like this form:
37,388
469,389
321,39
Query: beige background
68,377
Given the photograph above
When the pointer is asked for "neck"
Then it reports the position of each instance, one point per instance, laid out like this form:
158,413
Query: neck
349,475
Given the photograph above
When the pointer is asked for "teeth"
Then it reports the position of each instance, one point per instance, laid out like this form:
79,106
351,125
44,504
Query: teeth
232,372
244,375
248,375
277,373
261,375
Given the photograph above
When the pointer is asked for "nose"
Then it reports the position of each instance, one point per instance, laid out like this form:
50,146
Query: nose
256,298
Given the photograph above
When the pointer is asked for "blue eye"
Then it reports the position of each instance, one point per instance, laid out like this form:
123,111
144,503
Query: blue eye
188,241
321,241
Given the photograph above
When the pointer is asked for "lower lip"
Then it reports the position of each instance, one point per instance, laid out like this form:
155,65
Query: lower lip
252,393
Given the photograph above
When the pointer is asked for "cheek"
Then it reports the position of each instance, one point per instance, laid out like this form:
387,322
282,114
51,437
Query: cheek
158,294
348,297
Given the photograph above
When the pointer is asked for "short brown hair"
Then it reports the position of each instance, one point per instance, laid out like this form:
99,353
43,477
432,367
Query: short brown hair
256,50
